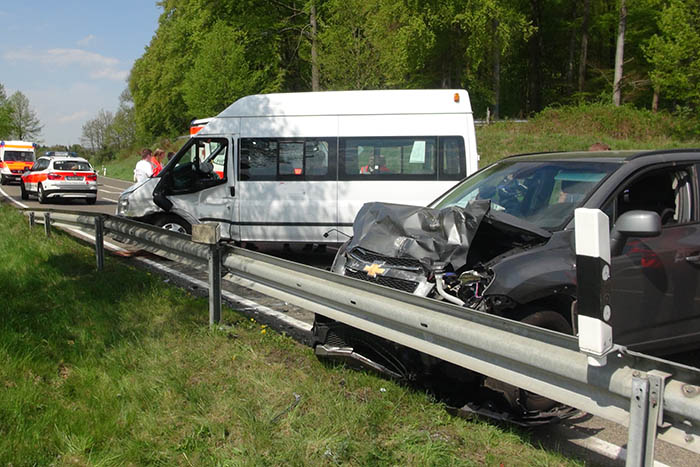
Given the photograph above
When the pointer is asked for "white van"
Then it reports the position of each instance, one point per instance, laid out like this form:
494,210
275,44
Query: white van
16,157
298,167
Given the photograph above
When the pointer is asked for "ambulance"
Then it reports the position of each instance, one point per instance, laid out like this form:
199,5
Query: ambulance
16,157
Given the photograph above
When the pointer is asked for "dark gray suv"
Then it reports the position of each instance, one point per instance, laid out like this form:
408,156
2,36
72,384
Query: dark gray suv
502,242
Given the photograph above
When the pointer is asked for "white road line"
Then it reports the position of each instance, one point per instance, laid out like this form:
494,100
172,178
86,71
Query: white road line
233,297
22,205
112,192
606,449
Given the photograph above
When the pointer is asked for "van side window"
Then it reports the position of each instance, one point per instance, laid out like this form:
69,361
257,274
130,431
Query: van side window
269,159
452,160
198,165
402,158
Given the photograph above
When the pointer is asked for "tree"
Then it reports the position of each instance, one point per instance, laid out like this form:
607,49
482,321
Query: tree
5,115
673,53
25,125
95,132
220,73
620,54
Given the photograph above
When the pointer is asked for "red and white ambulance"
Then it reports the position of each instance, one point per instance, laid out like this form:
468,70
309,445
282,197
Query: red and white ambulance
16,157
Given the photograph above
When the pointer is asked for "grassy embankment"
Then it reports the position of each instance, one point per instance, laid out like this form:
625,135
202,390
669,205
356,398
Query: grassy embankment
118,367
565,129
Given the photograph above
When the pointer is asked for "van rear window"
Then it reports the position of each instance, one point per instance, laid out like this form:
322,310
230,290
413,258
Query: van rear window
22,156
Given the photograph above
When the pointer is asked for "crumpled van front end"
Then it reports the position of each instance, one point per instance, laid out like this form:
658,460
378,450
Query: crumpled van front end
136,202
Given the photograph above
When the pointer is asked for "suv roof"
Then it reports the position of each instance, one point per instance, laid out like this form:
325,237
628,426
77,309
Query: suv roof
600,156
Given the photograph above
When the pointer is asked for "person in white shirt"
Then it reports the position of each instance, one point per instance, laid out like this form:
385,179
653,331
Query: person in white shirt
143,169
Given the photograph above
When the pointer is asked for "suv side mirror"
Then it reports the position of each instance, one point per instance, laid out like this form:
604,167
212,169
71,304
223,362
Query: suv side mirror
633,224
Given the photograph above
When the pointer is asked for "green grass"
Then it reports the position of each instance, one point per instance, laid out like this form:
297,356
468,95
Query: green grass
576,128
118,367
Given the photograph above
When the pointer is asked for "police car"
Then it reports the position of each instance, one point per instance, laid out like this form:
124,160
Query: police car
60,175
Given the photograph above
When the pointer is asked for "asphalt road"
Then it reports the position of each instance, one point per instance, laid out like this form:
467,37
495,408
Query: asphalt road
585,436
108,190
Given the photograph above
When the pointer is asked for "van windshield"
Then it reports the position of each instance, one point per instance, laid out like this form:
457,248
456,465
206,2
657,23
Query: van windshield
22,156
544,193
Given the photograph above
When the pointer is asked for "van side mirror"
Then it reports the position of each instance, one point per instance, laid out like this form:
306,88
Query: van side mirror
633,224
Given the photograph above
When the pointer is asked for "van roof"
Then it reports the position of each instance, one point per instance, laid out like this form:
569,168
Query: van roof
16,144
412,101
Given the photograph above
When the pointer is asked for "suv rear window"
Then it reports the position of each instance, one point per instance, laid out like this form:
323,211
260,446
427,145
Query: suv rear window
71,165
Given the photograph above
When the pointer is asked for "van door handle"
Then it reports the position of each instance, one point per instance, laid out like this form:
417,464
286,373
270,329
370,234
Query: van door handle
693,259
233,191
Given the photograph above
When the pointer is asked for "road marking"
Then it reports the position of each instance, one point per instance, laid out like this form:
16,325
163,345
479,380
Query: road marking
606,449
12,199
112,192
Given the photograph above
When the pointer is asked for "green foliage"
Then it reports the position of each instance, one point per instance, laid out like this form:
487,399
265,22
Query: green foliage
24,124
577,127
5,115
221,73
674,52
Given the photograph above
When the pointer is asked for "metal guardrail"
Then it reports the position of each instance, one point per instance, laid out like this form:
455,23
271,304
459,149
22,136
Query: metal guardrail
652,397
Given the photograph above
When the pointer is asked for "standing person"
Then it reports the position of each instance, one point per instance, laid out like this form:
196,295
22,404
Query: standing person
156,161
143,169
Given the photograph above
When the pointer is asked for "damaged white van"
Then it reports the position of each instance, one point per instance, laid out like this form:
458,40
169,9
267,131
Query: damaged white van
298,167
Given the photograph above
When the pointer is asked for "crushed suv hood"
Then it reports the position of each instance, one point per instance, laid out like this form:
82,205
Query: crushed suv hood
435,237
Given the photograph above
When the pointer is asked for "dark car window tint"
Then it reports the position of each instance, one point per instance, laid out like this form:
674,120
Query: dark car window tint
543,193
667,192
71,165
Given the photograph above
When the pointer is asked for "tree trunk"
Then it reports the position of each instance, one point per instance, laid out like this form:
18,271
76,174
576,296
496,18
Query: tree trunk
584,45
536,47
496,71
315,85
572,46
619,54
655,100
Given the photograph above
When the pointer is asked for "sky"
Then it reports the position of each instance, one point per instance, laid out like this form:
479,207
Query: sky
72,58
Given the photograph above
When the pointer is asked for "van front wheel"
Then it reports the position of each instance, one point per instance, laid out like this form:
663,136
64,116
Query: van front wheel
174,223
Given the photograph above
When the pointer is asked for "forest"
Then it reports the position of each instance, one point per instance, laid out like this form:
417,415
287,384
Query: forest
515,57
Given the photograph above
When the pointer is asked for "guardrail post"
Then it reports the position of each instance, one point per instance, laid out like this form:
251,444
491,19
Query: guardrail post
31,220
47,223
208,233
99,242
595,334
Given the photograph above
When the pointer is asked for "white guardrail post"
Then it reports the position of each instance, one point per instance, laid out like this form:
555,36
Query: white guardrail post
209,234
595,336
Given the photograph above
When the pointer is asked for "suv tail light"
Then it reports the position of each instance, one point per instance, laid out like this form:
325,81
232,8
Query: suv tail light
91,178
53,176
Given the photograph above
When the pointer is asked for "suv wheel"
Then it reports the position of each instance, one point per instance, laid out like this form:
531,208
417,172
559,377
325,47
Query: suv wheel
517,397
41,196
